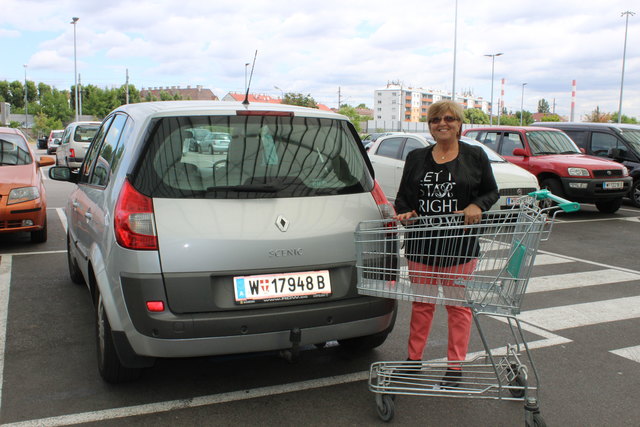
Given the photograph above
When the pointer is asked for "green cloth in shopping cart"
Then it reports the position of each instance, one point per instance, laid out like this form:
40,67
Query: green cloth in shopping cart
515,262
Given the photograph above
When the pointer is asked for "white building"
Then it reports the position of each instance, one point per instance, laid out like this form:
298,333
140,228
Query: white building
396,104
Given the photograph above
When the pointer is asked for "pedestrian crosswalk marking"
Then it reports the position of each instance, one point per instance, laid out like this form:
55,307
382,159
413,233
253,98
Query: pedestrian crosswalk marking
576,315
579,280
631,353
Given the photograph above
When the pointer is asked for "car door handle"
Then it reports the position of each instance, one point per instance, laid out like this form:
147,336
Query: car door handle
88,215
75,205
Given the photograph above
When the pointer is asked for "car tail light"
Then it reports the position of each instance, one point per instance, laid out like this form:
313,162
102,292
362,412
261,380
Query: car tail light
133,220
72,152
264,113
155,306
386,209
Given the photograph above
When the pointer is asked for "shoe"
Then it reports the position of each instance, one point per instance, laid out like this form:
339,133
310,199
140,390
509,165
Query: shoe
409,369
452,378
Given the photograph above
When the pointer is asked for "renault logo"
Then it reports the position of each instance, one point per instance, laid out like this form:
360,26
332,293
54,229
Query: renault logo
608,172
282,223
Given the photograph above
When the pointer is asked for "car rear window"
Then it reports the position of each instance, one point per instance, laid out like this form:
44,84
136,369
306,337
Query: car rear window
268,156
85,133
13,150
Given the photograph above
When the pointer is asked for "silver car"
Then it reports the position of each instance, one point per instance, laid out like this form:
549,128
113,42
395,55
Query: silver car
188,254
74,143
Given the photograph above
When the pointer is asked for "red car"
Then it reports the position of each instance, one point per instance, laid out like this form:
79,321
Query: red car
23,205
559,164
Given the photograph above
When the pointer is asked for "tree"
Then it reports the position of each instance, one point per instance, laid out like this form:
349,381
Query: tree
597,117
551,118
543,106
16,94
625,119
291,98
475,116
43,124
353,115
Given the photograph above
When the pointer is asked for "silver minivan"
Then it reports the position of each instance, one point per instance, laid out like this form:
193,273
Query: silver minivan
250,249
73,145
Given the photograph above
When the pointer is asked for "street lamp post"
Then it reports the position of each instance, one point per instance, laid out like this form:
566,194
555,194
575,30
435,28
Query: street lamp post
26,100
281,91
624,54
522,103
75,64
493,60
245,76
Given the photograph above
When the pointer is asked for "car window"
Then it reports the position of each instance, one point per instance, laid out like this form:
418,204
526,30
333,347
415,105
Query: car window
102,169
578,136
632,136
551,142
390,147
410,145
65,135
87,164
85,133
601,143
13,150
490,140
268,156
510,141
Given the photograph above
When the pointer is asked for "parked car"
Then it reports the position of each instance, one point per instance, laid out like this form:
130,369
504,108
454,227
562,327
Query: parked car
559,164
215,142
74,143
253,253
372,137
388,154
619,142
42,142
23,201
53,142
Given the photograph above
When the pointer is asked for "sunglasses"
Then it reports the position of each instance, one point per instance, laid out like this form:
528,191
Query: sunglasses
447,119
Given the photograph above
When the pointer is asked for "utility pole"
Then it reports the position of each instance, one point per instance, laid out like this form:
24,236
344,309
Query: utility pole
624,55
126,93
79,94
339,98
26,101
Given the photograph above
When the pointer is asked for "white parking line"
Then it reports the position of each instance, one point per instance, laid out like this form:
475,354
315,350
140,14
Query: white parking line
63,218
631,353
579,280
5,281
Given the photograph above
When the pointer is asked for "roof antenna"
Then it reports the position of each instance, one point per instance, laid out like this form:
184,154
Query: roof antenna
246,96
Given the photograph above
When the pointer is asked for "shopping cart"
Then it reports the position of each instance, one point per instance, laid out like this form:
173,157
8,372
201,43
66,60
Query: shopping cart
504,244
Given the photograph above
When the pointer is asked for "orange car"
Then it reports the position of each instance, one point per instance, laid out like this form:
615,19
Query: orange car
23,203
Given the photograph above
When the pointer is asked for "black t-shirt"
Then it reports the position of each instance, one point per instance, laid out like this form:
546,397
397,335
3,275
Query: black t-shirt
434,242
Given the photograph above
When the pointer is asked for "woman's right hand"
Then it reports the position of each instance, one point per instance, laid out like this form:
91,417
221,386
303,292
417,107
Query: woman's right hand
405,216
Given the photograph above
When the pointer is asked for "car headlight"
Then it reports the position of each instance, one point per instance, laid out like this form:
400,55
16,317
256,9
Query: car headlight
24,194
578,172
625,171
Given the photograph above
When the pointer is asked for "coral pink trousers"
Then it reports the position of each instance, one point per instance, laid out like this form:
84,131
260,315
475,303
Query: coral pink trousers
459,317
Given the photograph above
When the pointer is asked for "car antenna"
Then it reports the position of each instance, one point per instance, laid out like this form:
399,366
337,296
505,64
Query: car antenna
246,96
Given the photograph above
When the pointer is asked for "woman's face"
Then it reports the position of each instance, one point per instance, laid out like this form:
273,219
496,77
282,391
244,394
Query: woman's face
445,127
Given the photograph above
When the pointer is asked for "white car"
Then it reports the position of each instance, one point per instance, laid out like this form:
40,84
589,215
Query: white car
387,155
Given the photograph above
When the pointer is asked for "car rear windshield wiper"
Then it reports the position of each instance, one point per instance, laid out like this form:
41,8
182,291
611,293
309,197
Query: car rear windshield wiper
570,152
248,188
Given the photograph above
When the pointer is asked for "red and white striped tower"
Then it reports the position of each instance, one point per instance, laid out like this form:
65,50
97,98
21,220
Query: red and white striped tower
573,99
501,99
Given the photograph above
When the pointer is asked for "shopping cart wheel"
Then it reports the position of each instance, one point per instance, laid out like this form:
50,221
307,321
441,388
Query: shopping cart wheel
535,420
518,381
385,406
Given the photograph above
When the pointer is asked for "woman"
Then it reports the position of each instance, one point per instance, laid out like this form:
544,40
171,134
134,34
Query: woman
448,177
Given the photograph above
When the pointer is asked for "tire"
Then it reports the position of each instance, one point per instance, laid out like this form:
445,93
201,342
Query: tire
109,365
385,407
609,206
74,270
518,381
361,344
40,236
634,193
535,420
553,185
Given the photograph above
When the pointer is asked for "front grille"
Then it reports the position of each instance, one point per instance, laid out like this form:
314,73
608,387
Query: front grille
605,173
516,191
5,225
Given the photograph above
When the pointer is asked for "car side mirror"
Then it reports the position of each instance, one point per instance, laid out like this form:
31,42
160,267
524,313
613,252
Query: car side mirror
519,152
45,161
617,153
583,151
63,173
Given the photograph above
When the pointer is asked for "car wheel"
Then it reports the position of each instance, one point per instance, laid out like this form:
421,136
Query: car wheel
361,344
553,185
109,365
609,206
74,270
634,194
40,236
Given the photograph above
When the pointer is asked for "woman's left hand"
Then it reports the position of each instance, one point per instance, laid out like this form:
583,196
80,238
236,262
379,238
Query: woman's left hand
472,214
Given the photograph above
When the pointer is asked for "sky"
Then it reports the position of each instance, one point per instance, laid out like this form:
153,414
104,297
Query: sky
336,50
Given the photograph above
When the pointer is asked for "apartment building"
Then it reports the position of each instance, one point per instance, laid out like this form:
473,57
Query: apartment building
405,104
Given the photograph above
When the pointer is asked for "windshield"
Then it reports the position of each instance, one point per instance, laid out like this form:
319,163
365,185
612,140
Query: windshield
633,137
550,142
85,133
13,150
268,156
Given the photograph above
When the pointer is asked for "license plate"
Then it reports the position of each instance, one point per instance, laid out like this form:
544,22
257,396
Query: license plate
512,200
614,185
278,287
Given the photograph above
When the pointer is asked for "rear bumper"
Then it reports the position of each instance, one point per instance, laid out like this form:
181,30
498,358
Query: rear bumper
263,328
591,190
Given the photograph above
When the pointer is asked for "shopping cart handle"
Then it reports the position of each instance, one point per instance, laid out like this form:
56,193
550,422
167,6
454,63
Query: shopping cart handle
563,204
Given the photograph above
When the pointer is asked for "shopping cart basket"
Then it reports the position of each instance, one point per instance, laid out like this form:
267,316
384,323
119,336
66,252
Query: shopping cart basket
503,246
